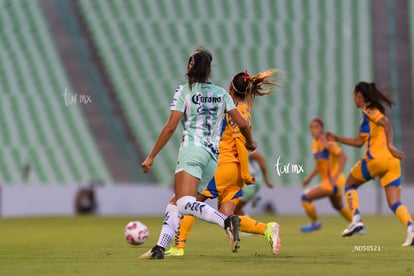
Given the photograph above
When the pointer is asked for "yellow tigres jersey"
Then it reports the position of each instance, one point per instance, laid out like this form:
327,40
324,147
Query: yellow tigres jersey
326,157
227,148
373,134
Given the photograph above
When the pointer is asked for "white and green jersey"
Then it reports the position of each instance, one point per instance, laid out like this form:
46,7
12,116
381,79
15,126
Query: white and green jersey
203,107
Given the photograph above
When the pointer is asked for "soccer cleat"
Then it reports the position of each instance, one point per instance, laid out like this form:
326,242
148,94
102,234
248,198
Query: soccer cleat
272,236
175,252
157,252
352,229
231,226
409,241
308,228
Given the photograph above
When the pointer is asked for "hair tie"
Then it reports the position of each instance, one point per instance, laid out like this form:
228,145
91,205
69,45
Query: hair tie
246,76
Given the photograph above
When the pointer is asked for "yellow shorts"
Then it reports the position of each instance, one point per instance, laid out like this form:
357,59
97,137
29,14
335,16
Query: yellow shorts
387,169
336,189
226,185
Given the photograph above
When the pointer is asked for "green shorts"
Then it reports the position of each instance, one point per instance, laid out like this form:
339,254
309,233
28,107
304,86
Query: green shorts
249,191
198,162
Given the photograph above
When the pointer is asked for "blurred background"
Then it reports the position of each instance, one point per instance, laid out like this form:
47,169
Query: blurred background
85,88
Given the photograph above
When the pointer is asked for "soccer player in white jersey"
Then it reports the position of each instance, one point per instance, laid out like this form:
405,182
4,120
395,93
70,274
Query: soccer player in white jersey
200,106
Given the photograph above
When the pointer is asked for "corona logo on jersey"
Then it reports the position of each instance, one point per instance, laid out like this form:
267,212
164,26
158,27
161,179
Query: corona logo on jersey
199,98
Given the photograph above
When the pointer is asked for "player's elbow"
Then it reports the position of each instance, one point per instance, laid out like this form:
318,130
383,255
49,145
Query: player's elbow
243,125
343,157
169,128
359,142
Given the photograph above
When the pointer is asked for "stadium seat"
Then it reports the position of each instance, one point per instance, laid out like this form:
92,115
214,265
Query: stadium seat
38,129
146,44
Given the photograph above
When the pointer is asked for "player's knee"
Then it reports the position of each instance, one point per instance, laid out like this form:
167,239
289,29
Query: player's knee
350,187
184,201
305,198
188,205
335,190
338,207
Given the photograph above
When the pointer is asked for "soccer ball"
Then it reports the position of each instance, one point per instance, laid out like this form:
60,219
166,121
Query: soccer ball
136,232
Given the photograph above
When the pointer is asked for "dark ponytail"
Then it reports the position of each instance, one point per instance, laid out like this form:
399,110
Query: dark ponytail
199,66
374,97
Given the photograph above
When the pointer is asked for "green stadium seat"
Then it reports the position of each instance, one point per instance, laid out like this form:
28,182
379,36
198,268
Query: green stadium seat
146,53
36,123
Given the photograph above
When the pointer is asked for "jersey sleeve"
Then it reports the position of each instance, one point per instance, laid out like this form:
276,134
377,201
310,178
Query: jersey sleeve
244,111
178,101
244,160
334,148
228,102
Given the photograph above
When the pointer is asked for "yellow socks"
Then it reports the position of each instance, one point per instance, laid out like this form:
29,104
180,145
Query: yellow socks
185,227
309,208
352,199
346,213
250,225
402,213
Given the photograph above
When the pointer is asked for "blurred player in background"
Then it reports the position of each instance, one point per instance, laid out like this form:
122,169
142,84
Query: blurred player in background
233,169
201,107
330,162
381,158
258,171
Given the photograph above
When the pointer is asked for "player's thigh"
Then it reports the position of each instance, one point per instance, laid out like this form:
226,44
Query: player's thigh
185,185
320,191
192,164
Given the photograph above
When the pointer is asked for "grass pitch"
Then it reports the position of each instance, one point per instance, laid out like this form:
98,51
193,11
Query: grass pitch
96,246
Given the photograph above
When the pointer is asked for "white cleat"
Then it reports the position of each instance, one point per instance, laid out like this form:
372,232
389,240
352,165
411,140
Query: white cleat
410,239
352,229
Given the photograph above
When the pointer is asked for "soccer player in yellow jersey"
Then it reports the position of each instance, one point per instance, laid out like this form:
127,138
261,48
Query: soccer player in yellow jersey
381,158
330,162
258,170
233,169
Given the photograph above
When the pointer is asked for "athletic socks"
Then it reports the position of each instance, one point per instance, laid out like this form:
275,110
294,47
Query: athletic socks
169,226
402,214
346,213
252,226
309,208
352,199
188,205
